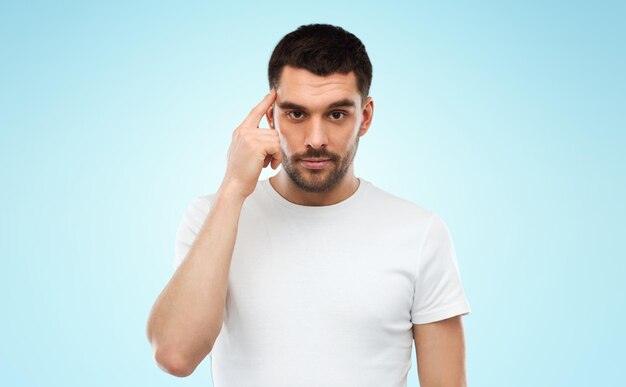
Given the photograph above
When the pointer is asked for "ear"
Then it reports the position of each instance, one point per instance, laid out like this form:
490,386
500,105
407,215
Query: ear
368,114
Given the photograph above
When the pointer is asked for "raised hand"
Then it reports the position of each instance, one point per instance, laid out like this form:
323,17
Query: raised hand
252,149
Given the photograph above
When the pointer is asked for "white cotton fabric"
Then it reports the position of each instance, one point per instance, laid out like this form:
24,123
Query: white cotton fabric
327,295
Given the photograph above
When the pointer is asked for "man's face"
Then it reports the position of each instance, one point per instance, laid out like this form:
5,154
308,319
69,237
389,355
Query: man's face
318,118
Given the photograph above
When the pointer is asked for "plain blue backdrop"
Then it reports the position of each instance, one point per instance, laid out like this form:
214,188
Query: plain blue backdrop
506,118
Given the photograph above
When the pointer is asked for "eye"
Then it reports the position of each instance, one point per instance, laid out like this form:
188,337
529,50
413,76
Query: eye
299,113
334,115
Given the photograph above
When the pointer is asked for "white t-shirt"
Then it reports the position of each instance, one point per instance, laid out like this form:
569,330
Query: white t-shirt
327,295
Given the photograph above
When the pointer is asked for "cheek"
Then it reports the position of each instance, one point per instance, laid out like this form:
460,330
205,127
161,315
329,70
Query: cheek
286,130
348,137
286,140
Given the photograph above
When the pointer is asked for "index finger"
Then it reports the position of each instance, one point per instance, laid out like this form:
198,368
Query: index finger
255,115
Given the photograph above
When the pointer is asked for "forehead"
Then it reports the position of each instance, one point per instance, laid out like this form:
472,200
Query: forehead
313,91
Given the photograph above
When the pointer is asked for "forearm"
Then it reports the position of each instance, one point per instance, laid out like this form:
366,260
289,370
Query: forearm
188,314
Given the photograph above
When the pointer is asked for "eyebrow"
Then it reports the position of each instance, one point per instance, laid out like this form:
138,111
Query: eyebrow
341,103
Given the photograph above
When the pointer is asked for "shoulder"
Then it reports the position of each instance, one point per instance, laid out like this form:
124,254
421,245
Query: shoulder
396,206
198,208
202,203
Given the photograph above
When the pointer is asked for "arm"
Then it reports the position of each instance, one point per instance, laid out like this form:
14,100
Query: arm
188,314
440,352
187,317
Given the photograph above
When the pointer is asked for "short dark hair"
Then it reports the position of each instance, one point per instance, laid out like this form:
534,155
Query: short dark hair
322,49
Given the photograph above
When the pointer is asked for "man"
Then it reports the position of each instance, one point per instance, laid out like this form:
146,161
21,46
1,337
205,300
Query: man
313,277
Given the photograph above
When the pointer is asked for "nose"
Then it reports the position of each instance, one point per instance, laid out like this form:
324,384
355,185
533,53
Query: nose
316,135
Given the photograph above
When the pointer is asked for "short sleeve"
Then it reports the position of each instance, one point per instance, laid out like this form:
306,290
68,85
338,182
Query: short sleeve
438,290
189,226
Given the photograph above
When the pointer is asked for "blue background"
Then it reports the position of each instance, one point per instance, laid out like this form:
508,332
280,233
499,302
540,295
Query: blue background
507,119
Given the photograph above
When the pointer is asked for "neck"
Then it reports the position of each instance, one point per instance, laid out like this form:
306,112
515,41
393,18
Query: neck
283,184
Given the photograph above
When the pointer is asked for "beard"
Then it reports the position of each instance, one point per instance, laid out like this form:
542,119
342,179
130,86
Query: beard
319,180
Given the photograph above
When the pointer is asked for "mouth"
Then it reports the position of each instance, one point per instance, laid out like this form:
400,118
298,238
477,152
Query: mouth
315,163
